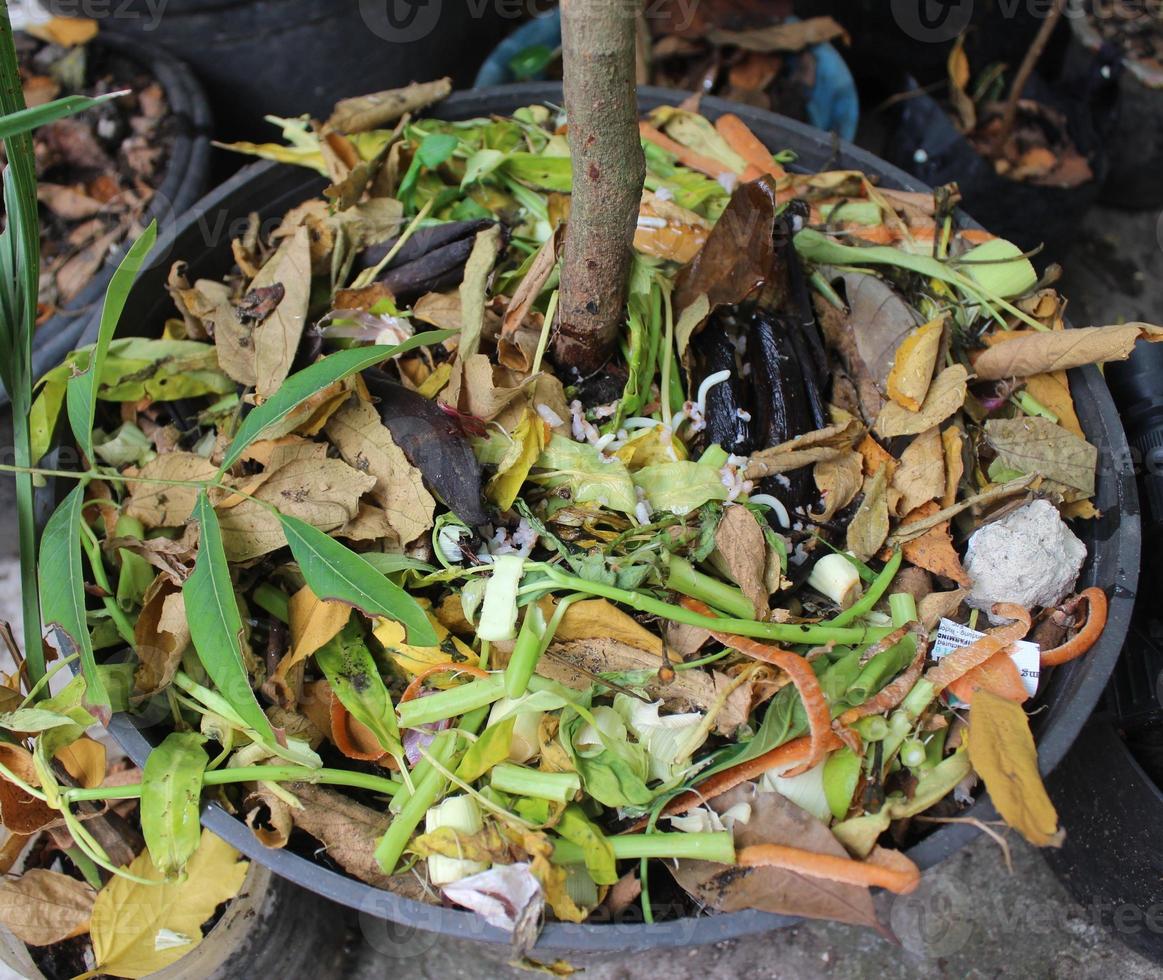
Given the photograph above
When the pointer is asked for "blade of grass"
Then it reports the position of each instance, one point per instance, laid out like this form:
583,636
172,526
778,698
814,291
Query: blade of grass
25,120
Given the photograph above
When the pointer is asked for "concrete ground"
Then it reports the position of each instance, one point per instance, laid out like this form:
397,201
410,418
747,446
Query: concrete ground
971,917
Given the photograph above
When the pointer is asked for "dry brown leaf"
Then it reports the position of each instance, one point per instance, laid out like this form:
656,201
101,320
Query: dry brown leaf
776,820
365,443
940,605
1028,352
269,817
234,342
157,505
509,351
1037,445
666,230
869,525
838,480
84,760
314,621
19,812
44,907
1053,392
828,443
479,388
921,474
741,555
783,37
912,368
933,550
364,112
945,396
952,440
276,339
161,635
1002,752
322,492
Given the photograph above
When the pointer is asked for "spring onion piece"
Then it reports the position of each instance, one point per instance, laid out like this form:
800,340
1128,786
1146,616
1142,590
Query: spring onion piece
683,577
836,577
452,703
499,610
461,814
717,846
521,781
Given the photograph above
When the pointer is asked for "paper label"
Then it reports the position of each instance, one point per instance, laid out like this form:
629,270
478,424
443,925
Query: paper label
1026,654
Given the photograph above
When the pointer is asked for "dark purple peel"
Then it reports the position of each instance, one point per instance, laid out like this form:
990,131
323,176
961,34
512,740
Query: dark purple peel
434,443
432,259
726,410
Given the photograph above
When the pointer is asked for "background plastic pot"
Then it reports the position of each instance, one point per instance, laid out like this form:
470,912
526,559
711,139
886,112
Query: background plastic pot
832,103
185,180
1068,694
1135,142
927,144
288,57
270,930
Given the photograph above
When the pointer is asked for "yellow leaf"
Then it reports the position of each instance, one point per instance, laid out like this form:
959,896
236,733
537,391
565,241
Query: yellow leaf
314,621
84,760
412,659
912,368
529,438
68,32
1003,754
945,396
43,907
597,618
129,919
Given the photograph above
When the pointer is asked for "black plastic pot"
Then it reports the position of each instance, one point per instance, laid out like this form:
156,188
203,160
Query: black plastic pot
288,57
1135,140
186,178
929,146
1068,694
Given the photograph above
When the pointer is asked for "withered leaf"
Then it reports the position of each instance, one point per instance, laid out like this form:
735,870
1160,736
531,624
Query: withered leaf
741,554
940,605
161,635
933,550
1032,444
158,505
364,112
474,286
84,760
276,339
314,621
365,443
233,342
1025,353
43,907
921,474
912,368
322,492
952,440
775,820
945,396
831,442
869,525
19,812
1002,752
838,481
878,320
509,352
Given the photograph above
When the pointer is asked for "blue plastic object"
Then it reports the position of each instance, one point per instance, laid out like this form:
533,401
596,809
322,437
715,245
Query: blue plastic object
832,102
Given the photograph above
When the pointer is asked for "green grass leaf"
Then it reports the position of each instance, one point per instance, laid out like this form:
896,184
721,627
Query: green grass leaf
81,395
25,120
216,624
303,384
62,590
171,783
335,572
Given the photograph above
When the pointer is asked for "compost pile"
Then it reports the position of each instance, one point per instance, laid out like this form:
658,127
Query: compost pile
755,598
98,171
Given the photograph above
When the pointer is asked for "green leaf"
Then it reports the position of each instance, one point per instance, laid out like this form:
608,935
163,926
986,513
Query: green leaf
62,591
681,486
303,384
591,477
171,784
575,826
487,751
436,149
480,164
335,572
215,622
81,396
529,63
355,679
25,120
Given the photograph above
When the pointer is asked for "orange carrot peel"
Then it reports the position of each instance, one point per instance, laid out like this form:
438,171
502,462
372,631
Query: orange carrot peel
890,870
686,156
744,142
1096,614
893,694
961,661
802,676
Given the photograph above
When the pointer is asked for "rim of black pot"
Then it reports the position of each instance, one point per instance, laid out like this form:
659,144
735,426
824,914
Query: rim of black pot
1069,694
184,181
